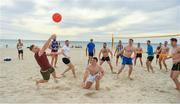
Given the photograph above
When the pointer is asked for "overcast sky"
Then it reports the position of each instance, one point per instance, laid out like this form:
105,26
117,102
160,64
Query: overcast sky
85,19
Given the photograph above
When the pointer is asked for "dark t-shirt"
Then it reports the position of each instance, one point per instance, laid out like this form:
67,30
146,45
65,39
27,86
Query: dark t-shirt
91,47
42,61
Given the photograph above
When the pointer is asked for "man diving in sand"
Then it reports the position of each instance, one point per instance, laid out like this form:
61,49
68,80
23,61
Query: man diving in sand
105,56
150,56
127,58
118,49
93,73
90,49
175,71
139,52
164,51
42,60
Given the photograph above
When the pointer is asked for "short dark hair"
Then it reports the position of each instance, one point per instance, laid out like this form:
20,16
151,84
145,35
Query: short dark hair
131,40
31,47
95,58
173,39
149,41
91,40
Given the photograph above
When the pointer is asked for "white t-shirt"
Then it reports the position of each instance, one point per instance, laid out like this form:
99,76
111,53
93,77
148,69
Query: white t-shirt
19,46
66,50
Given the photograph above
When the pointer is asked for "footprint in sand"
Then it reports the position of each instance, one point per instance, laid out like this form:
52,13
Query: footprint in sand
162,91
107,88
89,94
61,88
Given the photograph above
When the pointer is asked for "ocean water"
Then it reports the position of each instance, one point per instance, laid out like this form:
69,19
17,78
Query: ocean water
27,43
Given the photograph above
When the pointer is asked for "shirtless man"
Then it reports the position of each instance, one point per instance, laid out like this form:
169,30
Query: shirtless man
93,73
139,52
163,55
41,58
126,57
118,49
175,72
19,47
105,52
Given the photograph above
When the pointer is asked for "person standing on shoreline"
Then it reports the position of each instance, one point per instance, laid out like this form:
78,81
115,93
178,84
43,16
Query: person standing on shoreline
19,47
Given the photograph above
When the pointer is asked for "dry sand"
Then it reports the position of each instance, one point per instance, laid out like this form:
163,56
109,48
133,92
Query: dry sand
17,83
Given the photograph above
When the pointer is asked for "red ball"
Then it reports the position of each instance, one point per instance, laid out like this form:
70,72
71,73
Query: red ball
57,17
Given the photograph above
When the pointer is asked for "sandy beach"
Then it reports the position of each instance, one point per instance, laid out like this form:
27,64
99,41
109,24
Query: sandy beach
18,77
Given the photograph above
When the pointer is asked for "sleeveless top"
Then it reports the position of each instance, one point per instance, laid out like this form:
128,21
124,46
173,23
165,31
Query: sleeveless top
54,45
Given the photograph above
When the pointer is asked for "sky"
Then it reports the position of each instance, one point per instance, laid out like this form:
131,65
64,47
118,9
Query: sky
85,19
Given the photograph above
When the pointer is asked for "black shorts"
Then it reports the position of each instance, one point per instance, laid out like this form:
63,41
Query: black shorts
150,58
105,59
176,67
54,50
46,75
91,54
66,60
157,56
20,51
139,55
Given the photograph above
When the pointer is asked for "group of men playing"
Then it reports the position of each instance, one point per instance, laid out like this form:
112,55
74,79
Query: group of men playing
94,72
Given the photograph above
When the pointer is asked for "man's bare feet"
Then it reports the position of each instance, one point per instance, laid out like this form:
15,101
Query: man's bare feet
113,72
130,78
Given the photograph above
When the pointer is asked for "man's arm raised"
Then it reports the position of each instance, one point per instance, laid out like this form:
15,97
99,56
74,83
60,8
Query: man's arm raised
46,45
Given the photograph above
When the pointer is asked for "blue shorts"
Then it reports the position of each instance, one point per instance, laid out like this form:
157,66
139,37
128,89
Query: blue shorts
126,61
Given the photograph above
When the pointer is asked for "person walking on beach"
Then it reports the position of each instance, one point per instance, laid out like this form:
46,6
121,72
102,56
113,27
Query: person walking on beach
42,60
127,58
175,71
19,47
93,73
158,52
118,49
105,56
90,49
139,52
150,56
163,55
66,59
54,46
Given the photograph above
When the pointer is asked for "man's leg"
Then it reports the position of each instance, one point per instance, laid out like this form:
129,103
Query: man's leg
22,56
88,85
165,65
19,55
150,66
41,81
120,70
174,77
160,65
130,71
97,84
135,61
52,60
111,67
72,69
147,65
117,61
56,58
141,61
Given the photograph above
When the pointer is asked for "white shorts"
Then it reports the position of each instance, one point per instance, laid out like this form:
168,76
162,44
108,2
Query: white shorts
91,78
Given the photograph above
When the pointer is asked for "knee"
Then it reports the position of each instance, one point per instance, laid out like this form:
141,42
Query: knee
173,77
